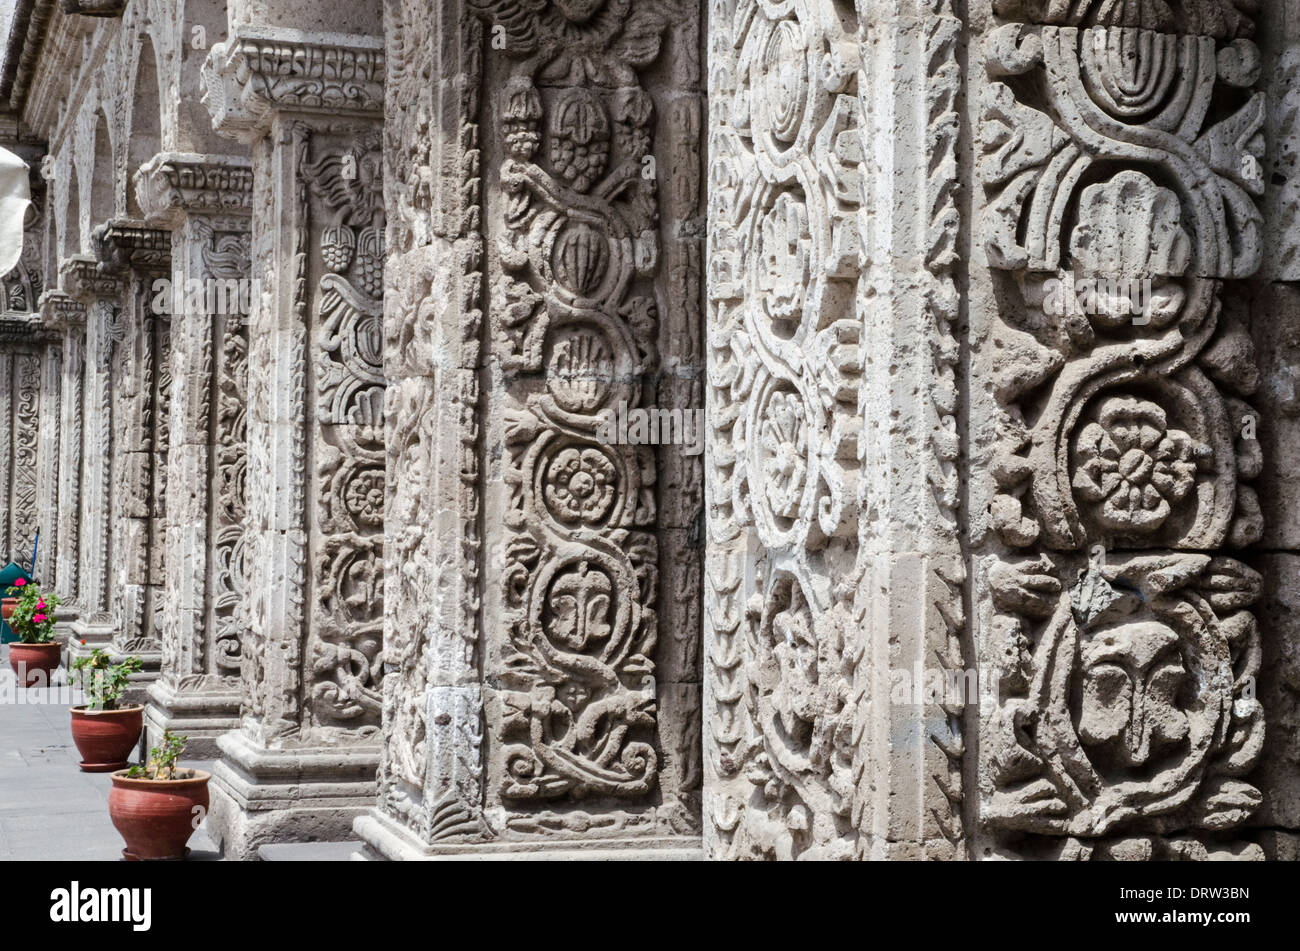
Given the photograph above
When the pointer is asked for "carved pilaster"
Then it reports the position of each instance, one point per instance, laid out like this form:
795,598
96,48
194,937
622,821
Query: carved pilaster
1113,613
205,200
140,366
312,599
101,295
537,700
67,315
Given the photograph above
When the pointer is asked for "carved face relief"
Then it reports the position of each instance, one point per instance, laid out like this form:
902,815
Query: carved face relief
1132,466
579,608
1131,680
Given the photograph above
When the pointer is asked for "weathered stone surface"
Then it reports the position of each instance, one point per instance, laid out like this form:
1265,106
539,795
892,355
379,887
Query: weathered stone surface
356,371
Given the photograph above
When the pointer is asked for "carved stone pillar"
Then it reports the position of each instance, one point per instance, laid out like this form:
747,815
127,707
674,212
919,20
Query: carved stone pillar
142,425
1114,437
543,572
101,295
834,557
67,315
47,459
302,764
20,396
205,200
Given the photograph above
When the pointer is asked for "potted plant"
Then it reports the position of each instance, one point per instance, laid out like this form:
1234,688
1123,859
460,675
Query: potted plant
105,733
35,655
157,807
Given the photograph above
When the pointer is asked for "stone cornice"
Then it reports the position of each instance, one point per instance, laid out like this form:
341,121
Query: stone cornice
122,245
172,184
25,41
14,328
260,71
82,277
94,8
60,311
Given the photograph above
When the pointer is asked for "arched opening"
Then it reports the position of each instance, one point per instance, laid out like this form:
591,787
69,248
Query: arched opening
102,205
143,142
70,239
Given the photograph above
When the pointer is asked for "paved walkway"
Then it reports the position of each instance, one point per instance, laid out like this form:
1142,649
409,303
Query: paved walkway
50,809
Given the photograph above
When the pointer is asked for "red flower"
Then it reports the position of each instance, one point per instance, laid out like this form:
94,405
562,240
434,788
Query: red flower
40,605
20,582
38,618
83,640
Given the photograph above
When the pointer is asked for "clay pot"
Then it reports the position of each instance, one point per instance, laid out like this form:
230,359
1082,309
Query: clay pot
106,738
156,817
34,663
7,607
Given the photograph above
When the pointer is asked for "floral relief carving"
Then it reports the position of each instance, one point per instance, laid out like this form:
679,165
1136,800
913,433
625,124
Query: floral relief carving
577,250
1124,640
345,189
1133,466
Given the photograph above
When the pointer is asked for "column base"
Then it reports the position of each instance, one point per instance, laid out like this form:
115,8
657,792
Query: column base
260,796
65,616
86,634
384,839
89,635
203,714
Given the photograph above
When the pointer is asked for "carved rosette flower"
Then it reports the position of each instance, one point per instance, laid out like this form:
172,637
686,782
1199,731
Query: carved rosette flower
364,497
1133,466
581,486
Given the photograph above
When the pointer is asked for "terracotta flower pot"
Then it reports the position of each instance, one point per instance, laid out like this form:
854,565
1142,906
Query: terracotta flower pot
156,817
34,663
106,738
7,607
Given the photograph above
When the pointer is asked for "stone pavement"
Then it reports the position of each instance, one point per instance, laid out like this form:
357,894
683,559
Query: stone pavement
49,809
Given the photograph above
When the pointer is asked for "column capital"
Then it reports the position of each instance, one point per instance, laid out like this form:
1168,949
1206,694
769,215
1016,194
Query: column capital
174,184
60,311
262,70
82,277
123,244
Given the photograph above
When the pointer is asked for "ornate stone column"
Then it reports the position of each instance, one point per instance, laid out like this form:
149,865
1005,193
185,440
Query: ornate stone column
543,572
20,403
47,457
205,201
835,571
101,295
142,418
1115,447
302,763
67,316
